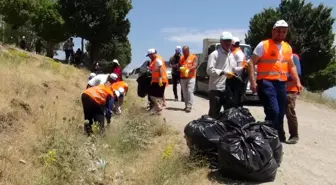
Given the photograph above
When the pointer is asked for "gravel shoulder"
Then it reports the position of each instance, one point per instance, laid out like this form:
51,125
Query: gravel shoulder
311,161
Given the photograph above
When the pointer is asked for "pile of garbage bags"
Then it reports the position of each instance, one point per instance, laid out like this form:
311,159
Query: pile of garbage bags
235,144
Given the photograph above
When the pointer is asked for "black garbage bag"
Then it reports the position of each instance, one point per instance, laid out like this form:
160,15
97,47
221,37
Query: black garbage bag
245,155
238,116
202,137
235,89
143,85
271,135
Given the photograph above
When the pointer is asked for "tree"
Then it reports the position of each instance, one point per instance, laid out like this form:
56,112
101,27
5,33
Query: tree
310,35
16,12
96,21
49,25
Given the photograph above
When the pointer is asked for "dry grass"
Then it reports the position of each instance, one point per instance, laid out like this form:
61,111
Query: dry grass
318,98
42,140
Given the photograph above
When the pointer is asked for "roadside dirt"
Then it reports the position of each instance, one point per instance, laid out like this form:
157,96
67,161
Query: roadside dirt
311,161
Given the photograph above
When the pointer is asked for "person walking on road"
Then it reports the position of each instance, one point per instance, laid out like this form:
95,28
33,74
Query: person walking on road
174,63
94,99
219,68
188,63
292,93
159,79
273,58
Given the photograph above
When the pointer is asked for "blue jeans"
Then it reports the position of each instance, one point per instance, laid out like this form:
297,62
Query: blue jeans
272,94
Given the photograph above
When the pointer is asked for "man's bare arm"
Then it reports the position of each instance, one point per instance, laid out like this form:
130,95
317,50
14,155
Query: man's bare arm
293,71
251,66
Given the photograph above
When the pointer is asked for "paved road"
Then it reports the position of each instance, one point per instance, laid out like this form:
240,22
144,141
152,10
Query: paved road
311,161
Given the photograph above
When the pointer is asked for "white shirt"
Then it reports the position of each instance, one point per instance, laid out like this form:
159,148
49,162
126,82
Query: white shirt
219,61
239,58
97,80
259,50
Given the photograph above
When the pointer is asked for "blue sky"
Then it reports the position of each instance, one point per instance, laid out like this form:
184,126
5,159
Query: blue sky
167,24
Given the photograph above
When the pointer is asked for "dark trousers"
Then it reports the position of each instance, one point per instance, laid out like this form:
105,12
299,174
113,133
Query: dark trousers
272,95
176,80
291,114
235,92
217,100
92,112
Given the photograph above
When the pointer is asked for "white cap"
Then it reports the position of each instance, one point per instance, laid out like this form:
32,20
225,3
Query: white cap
116,61
178,49
121,90
113,76
235,40
226,36
151,51
117,93
92,75
23,37
280,23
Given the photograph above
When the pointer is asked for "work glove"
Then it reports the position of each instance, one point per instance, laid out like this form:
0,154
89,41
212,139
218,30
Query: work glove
229,74
160,82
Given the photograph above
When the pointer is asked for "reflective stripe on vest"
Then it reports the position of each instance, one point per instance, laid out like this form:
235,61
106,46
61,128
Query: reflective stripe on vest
273,65
244,63
99,93
189,63
156,71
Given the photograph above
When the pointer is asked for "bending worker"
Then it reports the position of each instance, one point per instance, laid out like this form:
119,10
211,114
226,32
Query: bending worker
102,79
159,79
273,58
94,100
188,63
292,93
122,87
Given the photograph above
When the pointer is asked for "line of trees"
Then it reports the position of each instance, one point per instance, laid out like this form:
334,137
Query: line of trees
102,22
310,35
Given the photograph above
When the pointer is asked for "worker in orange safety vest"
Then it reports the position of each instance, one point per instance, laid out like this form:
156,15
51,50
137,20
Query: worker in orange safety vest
122,87
292,93
188,63
94,100
159,79
273,58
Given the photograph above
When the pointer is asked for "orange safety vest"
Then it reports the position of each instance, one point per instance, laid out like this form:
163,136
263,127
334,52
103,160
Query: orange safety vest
244,64
117,85
188,63
291,85
273,65
99,93
156,71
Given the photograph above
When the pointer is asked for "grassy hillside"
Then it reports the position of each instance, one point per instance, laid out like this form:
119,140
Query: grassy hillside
42,140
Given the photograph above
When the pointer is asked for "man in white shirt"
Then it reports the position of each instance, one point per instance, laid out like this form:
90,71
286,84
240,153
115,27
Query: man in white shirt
102,79
220,66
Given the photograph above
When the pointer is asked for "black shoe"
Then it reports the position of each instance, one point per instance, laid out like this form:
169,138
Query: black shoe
176,99
282,138
188,109
293,140
182,100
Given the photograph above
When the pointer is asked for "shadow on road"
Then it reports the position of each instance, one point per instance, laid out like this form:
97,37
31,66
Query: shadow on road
216,176
174,108
170,99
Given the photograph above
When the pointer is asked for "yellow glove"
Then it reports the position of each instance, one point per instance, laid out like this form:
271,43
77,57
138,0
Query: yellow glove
186,73
182,68
160,82
229,75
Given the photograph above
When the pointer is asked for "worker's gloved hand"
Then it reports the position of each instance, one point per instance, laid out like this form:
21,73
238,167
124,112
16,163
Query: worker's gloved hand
229,74
160,82
186,72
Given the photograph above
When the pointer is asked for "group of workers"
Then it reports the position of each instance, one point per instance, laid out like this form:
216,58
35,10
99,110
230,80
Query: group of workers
276,80
184,72
104,95
273,72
